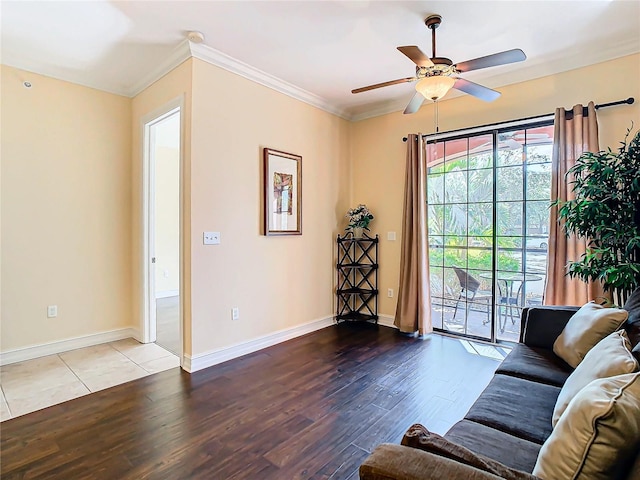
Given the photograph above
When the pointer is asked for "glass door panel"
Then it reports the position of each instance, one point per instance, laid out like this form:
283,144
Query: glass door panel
523,225
488,229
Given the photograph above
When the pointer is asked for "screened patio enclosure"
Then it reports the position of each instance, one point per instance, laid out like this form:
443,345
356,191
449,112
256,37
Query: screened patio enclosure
488,198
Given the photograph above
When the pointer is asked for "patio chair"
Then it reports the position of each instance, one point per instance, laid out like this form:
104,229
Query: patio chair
470,291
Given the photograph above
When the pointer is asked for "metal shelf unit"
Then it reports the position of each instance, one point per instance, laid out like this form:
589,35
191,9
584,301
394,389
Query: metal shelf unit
357,282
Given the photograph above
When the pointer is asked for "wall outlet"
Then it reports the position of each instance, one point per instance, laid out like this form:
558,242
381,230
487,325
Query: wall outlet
390,292
211,238
52,311
391,236
235,313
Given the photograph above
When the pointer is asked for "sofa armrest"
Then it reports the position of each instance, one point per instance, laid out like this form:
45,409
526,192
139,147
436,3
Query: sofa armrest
397,462
540,326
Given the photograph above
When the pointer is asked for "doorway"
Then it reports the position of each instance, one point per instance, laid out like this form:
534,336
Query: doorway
162,173
488,215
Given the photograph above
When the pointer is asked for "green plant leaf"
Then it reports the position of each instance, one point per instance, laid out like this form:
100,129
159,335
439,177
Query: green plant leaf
606,212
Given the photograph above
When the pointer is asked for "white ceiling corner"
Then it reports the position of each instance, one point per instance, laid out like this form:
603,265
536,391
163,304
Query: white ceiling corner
187,49
177,56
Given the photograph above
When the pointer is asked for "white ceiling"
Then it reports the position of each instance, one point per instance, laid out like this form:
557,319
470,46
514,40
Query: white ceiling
321,50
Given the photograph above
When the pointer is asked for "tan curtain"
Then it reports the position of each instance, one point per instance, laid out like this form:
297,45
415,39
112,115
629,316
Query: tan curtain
413,313
573,135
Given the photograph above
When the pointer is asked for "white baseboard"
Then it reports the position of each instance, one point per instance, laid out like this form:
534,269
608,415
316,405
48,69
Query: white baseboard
167,293
51,348
203,360
386,321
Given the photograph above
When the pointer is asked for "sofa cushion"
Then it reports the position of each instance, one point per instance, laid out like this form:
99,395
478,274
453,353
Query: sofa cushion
632,305
542,325
632,325
587,327
610,357
634,470
419,437
516,406
537,364
598,435
511,451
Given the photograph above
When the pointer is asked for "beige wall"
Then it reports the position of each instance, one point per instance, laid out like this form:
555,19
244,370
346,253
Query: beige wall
175,84
378,153
66,221
86,163
276,282
72,199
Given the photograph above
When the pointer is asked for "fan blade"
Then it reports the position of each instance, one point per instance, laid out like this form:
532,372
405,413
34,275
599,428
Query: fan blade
511,144
502,58
414,104
384,84
416,55
483,93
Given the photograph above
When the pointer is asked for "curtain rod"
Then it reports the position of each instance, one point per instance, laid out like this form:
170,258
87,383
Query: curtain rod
628,101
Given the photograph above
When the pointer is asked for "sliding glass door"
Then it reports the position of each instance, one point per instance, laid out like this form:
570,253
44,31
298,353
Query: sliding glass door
488,217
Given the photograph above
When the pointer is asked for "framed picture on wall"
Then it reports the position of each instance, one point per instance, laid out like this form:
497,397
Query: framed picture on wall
282,193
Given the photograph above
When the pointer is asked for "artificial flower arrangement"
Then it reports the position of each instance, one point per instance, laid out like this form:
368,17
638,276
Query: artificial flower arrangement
359,217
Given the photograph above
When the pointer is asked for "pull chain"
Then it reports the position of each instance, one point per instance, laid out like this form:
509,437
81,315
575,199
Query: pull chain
437,128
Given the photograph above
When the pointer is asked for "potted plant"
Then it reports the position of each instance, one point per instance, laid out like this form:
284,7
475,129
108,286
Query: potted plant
606,212
359,219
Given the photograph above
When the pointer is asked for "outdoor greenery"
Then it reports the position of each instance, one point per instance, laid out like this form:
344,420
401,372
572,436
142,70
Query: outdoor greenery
606,212
460,199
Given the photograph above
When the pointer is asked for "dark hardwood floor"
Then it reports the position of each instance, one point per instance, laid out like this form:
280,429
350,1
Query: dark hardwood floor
310,408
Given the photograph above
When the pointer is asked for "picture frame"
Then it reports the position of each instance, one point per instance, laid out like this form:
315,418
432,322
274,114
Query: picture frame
282,189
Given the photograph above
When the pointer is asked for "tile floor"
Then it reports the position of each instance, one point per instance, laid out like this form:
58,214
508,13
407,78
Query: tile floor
39,383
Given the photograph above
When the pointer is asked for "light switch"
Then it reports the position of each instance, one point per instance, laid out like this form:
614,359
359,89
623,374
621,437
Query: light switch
211,238
391,236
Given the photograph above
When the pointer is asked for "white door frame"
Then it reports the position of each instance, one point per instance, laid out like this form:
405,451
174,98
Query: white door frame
148,314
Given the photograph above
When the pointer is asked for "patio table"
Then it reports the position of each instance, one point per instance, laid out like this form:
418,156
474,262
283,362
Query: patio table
505,282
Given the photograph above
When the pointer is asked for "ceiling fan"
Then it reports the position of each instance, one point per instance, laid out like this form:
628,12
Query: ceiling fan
437,75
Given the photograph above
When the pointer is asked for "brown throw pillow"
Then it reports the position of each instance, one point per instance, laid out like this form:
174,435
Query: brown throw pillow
419,437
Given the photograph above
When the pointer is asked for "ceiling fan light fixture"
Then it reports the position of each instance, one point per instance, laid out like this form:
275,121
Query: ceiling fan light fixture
435,87
435,76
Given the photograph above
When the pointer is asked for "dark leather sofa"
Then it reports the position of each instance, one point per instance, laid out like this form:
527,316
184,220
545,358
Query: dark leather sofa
510,420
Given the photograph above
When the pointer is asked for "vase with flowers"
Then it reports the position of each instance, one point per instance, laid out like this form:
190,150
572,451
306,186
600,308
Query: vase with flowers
359,219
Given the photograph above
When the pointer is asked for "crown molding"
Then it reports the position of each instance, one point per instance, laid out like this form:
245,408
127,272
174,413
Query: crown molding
177,56
222,60
185,50
382,109
59,74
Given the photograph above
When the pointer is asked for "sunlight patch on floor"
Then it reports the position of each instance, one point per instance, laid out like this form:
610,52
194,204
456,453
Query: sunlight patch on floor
484,350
